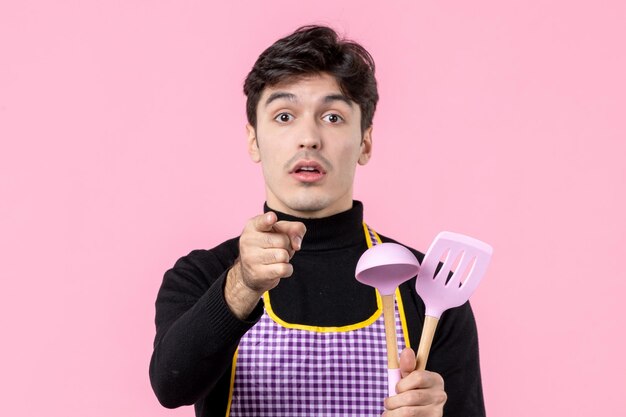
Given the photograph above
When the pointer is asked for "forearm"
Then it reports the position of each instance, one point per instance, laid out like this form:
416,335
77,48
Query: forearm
196,350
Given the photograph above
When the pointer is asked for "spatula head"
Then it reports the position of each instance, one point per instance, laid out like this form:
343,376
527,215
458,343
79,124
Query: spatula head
467,258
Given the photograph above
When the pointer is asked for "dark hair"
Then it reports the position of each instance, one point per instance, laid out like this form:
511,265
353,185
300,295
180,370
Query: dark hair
313,50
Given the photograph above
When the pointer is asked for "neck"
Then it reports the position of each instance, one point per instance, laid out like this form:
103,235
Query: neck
334,231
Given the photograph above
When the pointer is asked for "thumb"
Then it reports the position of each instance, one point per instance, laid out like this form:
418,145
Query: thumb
407,362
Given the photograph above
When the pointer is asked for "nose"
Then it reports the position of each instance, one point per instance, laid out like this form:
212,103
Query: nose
310,136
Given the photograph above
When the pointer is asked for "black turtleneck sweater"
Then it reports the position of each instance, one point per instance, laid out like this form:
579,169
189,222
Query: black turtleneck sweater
197,334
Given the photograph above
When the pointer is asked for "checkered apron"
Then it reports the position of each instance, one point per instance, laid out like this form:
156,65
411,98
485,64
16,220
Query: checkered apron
312,371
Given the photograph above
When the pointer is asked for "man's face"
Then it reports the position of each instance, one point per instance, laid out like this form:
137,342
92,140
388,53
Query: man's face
308,139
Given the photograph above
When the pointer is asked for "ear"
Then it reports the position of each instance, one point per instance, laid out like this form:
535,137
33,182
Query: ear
253,145
366,147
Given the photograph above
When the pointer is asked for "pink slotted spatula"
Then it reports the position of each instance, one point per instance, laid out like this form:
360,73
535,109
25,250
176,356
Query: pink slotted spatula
467,258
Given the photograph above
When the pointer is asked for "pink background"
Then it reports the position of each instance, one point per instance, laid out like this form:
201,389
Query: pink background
120,122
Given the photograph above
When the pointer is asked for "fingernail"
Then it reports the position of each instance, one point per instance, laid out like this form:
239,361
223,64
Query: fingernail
269,217
298,240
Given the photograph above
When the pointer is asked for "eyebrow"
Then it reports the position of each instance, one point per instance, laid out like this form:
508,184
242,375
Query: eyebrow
338,97
280,95
292,97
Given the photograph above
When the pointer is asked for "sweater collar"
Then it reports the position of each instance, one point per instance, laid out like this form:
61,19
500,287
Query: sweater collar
337,231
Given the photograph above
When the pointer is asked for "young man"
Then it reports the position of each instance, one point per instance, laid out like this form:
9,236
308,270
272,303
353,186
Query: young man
273,322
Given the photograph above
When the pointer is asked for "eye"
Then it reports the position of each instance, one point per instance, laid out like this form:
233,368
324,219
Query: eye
333,118
284,117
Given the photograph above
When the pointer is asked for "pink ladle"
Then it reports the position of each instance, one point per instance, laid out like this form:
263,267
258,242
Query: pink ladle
385,266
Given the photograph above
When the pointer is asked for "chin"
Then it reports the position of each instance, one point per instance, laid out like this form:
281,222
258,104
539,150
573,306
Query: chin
317,206
309,204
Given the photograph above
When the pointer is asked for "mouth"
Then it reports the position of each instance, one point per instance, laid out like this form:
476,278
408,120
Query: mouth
308,171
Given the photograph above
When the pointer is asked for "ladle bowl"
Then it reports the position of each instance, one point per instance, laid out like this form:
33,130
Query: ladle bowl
385,266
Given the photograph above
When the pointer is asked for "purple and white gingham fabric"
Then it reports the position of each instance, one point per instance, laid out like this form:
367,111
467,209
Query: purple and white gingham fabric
293,372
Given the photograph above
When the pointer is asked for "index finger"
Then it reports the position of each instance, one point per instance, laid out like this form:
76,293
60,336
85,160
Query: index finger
264,222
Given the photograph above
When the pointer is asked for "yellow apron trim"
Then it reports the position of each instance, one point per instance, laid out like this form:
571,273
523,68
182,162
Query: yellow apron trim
232,383
368,239
322,329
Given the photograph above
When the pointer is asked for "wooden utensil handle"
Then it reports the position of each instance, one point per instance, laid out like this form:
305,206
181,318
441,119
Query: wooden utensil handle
389,314
426,341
